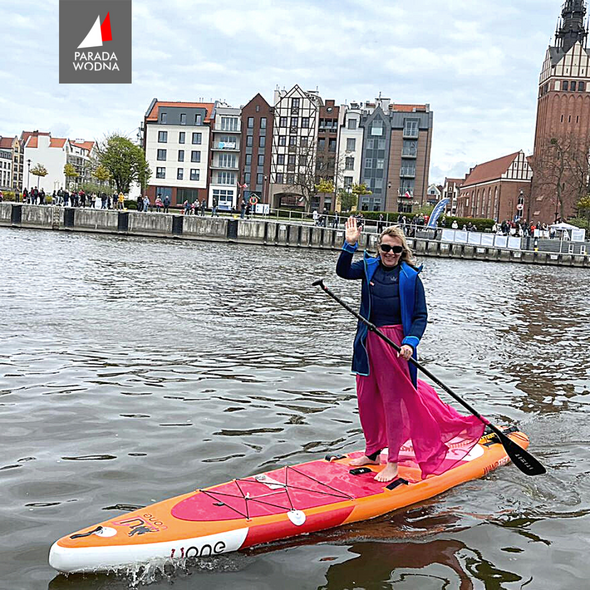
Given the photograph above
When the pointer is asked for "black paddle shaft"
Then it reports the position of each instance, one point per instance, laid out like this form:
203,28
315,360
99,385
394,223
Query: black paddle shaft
520,457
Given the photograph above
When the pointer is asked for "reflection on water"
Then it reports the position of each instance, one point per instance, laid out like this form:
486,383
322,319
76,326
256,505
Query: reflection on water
135,370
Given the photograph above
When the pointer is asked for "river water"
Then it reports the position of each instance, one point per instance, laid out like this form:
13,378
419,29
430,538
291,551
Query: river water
132,370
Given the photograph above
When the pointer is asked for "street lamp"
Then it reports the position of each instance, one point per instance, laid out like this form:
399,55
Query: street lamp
29,174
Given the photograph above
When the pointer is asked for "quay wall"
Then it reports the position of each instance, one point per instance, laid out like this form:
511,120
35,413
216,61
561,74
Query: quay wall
258,232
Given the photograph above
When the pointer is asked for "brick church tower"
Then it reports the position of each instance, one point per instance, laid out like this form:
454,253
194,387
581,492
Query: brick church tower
562,142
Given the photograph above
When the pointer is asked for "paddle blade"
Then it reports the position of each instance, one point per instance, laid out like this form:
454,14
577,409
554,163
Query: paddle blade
520,457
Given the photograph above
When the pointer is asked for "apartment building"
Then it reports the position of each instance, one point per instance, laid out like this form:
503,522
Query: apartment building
5,168
294,139
15,145
256,149
225,157
177,137
351,145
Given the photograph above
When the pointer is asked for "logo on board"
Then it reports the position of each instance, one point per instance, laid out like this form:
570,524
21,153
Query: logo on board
95,42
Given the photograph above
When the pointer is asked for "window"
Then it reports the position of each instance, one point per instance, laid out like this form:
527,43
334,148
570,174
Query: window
291,159
248,159
162,136
321,144
261,160
280,159
198,119
290,178
161,155
181,155
226,178
282,140
350,144
294,121
195,156
368,162
229,124
381,144
304,141
183,118
179,173
283,122
292,140
227,160
573,87
581,86
295,102
380,164
249,141
259,178
247,177
195,173
377,129
280,178
163,117
410,128
262,122
250,122
262,141
565,85
305,122
352,123
347,181
332,145
181,136
160,172
197,138
349,163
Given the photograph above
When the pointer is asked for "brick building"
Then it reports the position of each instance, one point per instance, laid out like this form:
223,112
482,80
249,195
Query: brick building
328,166
256,149
562,136
499,189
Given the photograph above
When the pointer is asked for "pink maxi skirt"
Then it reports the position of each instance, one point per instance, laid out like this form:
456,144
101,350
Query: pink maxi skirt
395,415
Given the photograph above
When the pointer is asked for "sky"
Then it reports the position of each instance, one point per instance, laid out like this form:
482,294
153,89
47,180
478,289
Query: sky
475,62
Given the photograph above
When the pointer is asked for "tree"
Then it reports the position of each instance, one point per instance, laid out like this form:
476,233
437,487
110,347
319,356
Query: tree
584,208
358,190
347,199
124,161
561,169
325,187
101,173
39,171
70,172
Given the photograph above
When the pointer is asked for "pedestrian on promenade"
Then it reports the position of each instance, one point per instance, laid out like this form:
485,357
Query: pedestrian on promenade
203,208
186,207
166,203
146,203
396,408
159,204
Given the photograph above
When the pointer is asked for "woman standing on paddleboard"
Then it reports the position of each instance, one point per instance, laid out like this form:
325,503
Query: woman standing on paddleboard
394,406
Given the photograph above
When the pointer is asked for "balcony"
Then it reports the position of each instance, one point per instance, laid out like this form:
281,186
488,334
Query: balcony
405,193
409,154
407,172
218,166
226,146
411,132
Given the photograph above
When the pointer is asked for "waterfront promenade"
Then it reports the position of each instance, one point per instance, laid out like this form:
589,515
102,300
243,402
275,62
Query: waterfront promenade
261,231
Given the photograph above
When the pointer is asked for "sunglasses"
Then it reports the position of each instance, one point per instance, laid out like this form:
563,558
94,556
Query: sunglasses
394,249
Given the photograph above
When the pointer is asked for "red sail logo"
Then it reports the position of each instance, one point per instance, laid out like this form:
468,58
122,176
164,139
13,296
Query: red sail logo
99,33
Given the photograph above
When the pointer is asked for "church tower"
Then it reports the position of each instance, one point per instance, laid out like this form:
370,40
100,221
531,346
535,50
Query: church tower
560,160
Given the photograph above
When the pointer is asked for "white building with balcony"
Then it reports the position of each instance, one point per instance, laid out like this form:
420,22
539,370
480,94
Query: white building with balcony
225,157
177,137
351,145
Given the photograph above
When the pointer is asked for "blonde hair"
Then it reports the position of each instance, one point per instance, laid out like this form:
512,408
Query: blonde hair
396,232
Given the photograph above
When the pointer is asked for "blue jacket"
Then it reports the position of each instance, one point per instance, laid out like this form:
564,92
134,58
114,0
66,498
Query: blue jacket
412,302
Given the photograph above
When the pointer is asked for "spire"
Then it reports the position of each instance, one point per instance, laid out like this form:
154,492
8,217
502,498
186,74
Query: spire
572,27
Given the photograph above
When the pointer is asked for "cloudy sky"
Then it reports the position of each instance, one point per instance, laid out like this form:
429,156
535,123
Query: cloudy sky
475,62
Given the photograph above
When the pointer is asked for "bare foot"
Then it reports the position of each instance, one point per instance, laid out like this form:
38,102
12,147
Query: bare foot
388,473
364,460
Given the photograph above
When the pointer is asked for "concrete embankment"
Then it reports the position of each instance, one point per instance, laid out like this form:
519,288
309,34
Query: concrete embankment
252,231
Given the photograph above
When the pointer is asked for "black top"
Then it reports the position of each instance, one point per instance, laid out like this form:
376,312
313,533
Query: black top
385,303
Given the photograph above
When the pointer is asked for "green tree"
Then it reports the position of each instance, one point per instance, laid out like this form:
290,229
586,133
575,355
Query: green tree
101,173
584,208
347,199
70,173
325,187
124,161
39,171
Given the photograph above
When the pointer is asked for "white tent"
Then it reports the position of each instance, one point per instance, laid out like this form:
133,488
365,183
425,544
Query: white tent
573,233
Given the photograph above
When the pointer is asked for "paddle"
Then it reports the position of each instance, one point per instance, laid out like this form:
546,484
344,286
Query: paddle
520,457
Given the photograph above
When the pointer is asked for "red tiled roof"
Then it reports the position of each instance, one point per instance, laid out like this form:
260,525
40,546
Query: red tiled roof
153,116
6,142
57,142
491,170
454,180
407,108
87,145
33,141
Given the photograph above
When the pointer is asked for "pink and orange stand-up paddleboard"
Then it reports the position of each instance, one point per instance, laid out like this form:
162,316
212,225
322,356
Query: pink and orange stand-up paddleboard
266,507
